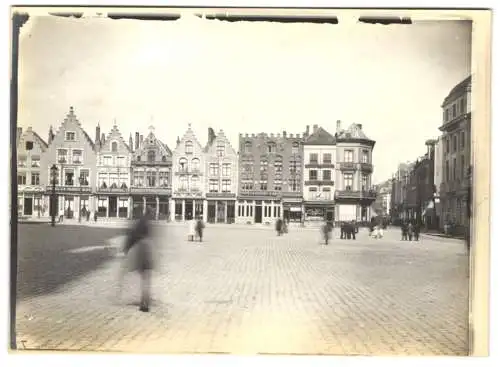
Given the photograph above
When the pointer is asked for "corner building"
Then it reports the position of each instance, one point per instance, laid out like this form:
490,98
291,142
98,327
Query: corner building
354,194
270,177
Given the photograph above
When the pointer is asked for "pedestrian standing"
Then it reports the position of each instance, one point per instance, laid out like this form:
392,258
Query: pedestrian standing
326,231
279,227
191,230
410,231
141,259
354,229
404,231
342,231
200,226
416,231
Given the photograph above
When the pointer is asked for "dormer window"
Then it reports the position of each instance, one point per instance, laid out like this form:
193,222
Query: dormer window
163,158
189,147
114,146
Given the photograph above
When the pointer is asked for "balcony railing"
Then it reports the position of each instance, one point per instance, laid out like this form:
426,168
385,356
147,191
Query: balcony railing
349,194
69,189
160,190
320,165
319,182
258,193
366,167
347,166
113,189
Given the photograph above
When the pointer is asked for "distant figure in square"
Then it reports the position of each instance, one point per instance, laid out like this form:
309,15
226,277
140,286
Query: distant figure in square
279,226
200,226
61,215
191,230
326,231
353,229
95,216
343,234
410,231
404,231
416,230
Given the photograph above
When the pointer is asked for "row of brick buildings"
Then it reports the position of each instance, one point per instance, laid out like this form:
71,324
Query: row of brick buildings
436,187
302,177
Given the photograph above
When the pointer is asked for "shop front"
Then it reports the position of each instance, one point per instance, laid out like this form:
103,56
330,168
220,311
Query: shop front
221,207
260,207
315,212
156,199
30,202
187,206
72,202
292,207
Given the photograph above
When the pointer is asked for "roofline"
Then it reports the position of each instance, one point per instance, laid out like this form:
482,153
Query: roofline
369,142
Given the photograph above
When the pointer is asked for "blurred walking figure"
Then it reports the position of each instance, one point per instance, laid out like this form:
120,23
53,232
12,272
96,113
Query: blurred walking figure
200,226
279,226
191,230
326,231
139,257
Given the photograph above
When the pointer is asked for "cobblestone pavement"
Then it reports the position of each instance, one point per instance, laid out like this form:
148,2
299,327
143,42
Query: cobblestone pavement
249,291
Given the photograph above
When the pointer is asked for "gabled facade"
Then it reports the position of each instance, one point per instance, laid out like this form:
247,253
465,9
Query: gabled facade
221,183
319,175
30,149
151,177
188,180
354,194
73,153
114,159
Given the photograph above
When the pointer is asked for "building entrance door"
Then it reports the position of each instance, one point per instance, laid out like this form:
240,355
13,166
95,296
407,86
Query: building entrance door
211,212
69,207
188,214
113,206
28,206
258,214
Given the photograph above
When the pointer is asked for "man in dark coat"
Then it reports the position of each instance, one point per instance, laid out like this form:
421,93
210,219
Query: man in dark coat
404,231
354,229
279,227
416,230
342,231
199,228
143,260
325,231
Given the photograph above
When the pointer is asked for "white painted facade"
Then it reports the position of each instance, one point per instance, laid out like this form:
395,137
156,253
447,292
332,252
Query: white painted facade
319,177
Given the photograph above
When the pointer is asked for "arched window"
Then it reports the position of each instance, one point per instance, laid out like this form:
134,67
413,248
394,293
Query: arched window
163,158
248,147
151,156
195,164
114,146
295,147
189,147
183,164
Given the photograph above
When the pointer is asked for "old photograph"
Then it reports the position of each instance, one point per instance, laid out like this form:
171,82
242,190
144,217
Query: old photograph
230,182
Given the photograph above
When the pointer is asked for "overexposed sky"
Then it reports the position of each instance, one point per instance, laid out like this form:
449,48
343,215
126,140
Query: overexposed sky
244,77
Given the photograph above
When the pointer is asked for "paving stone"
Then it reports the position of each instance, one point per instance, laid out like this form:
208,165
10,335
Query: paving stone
250,291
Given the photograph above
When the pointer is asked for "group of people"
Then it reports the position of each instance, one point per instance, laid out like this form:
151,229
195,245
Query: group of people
196,227
281,227
410,230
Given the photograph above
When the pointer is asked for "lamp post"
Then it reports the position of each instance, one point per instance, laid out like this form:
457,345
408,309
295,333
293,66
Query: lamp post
53,176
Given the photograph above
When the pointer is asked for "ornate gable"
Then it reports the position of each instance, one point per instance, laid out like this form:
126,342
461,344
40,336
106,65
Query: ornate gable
211,148
39,145
189,136
114,136
72,124
152,143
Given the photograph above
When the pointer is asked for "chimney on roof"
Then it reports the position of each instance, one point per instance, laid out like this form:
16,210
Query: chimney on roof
307,130
131,142
338,126
178,141
103,139
211,135
315,128
97,134
136,140
359,126
51,135
141,139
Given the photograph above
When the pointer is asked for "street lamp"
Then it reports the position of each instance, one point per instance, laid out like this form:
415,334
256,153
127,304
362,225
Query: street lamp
53,177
